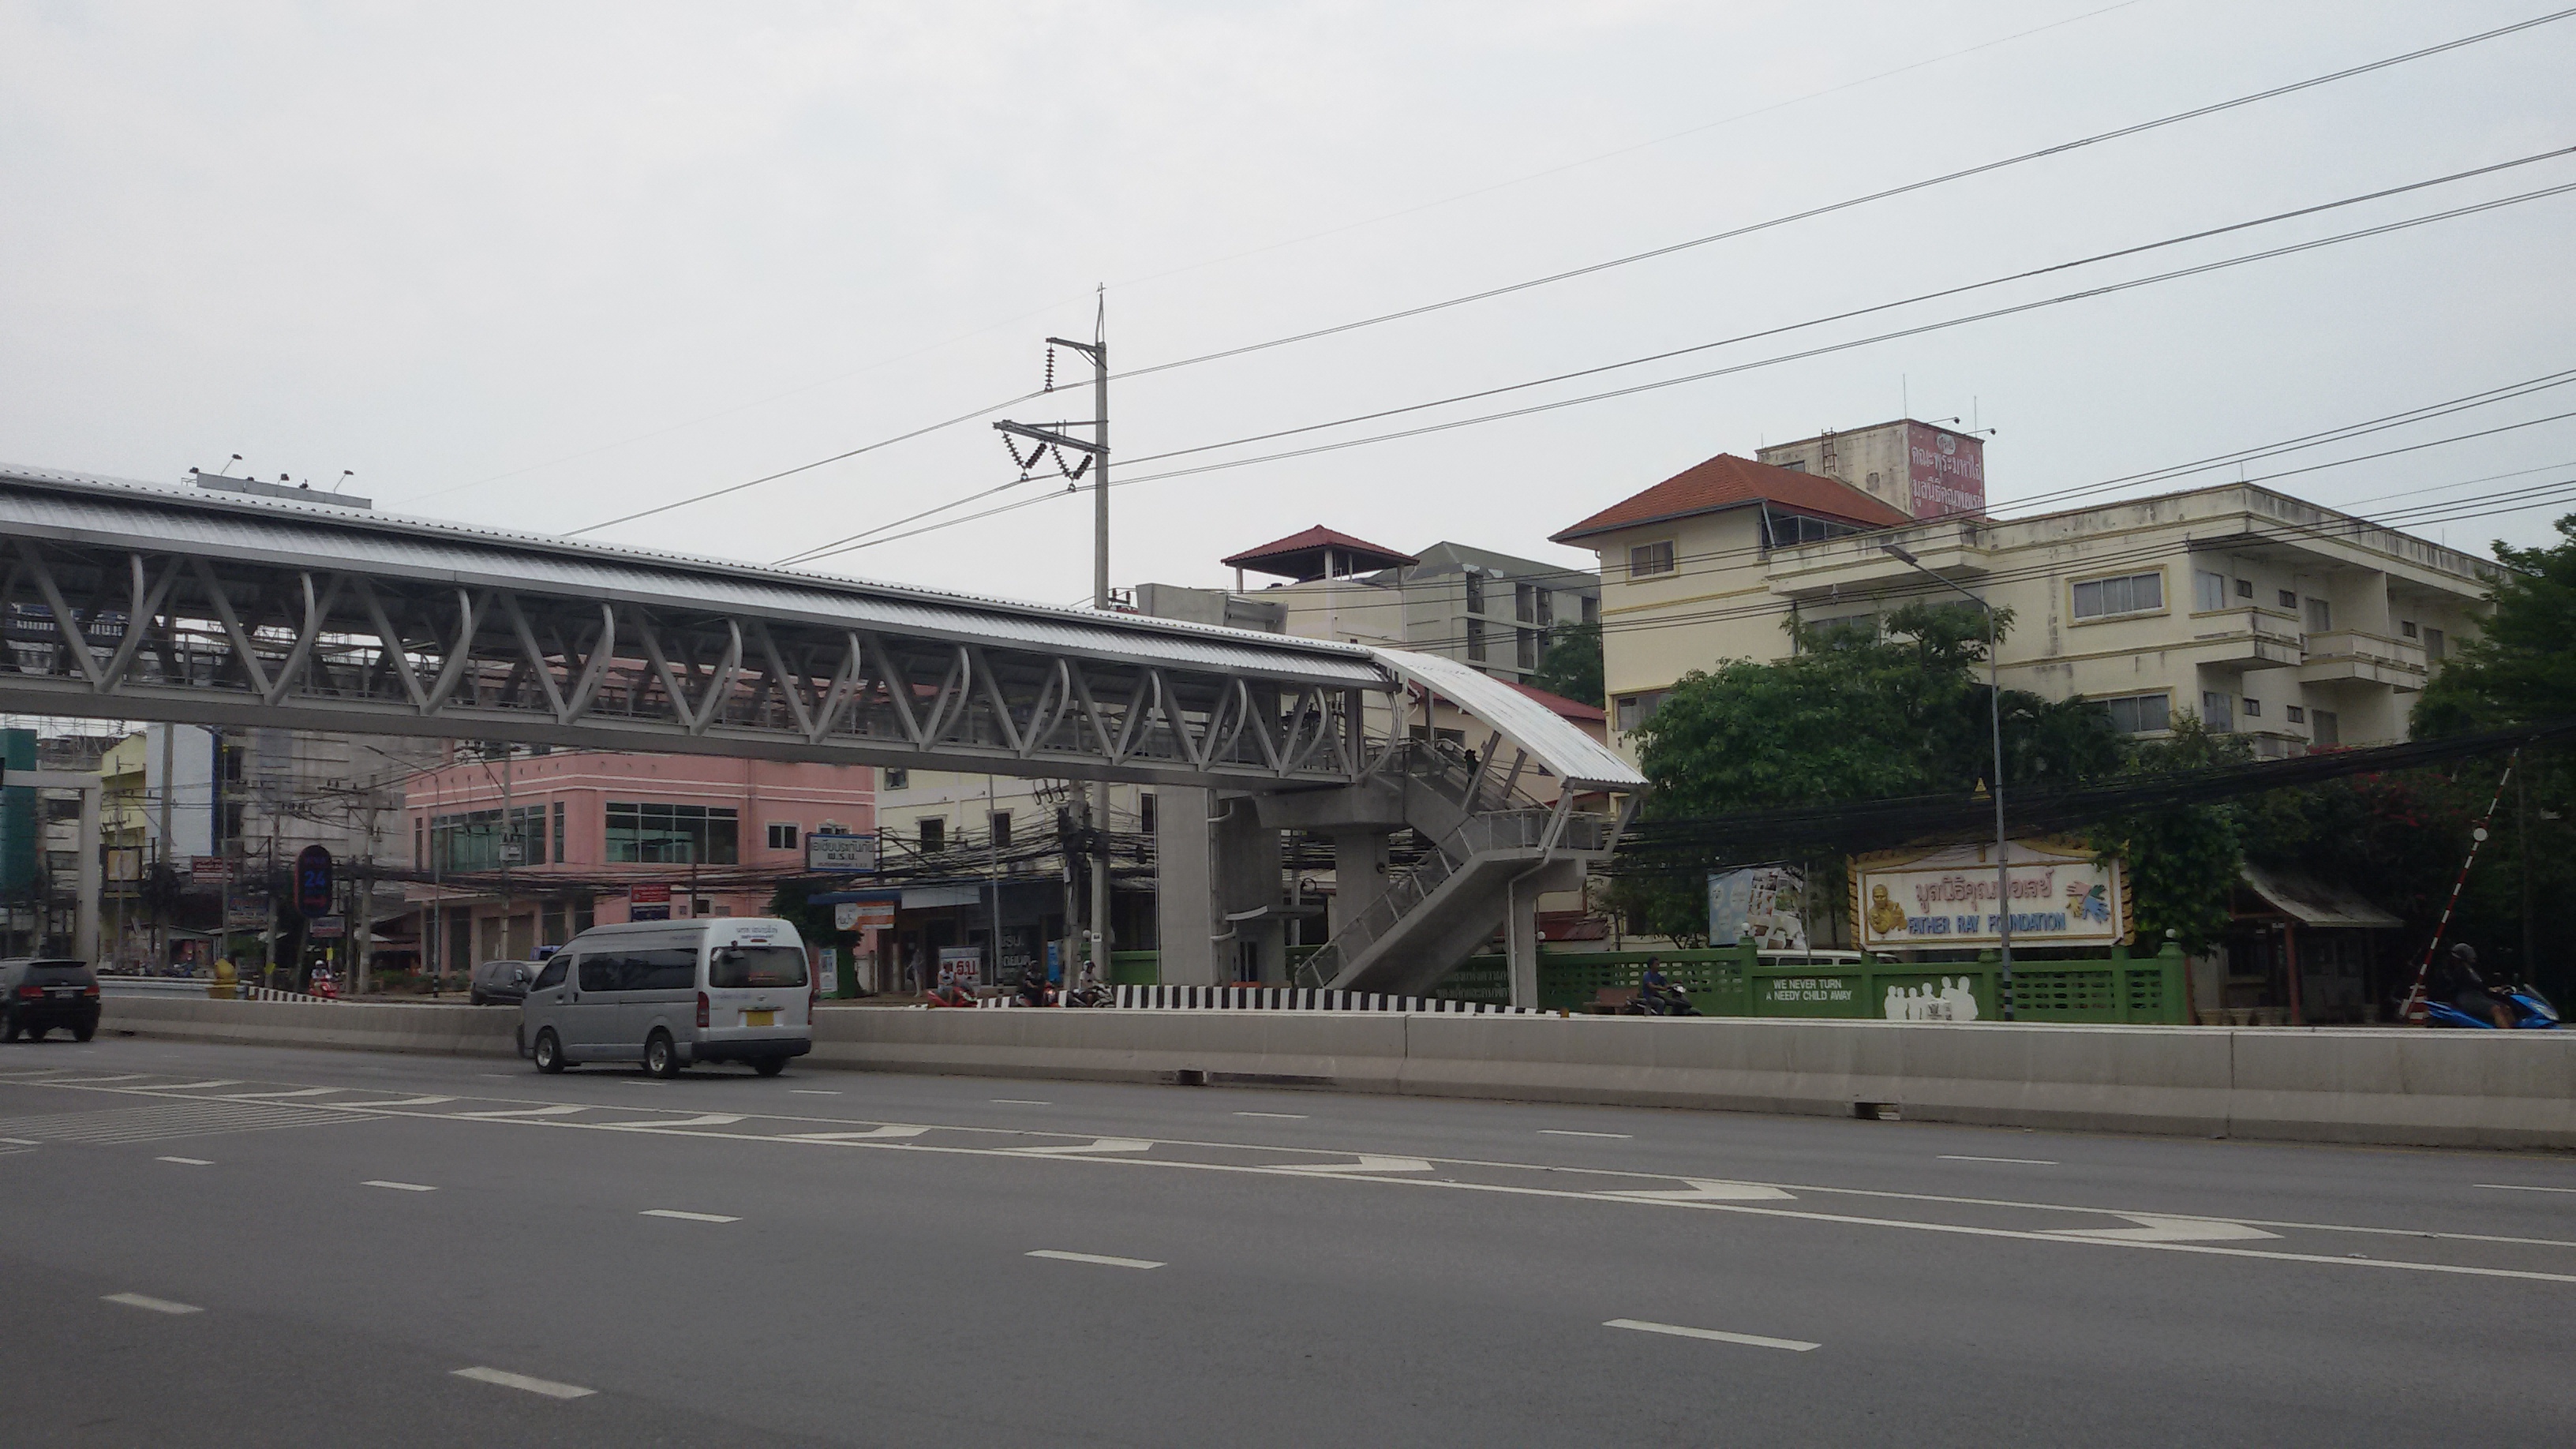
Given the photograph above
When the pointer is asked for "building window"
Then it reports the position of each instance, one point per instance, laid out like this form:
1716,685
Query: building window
2216,711
469,840
2329,729
1525,603
898,779
1788,530
1873,482
2295,714
2209,590
782,835
1636,709
528,833
2320,617
1546,608
2289,599
1840,629
1475,592
673,834
1476,641
2137,714
934,834
1591,609
1648,559
2406,628
2244,588
559,832
2125,594
999,822
2436,648
2253,709
419,843
1527,647
1145,812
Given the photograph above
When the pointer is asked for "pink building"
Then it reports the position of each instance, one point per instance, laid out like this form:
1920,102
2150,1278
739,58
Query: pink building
526,849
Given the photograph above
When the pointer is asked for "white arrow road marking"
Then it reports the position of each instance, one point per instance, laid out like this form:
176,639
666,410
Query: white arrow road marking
1793,1345
1703,1189
2154,1229
1096,1144
1369,1162
560,1109
270,1096
156,1305
547,1387
687,1217
872,1134
711,1119
1104,1261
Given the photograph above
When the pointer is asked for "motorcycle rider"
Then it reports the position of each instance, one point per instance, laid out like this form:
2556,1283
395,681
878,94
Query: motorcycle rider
2470,992
1654,990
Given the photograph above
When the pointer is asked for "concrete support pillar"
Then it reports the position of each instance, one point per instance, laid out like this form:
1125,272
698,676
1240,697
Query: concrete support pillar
1185,909
1359,874
1248,865
85,914
1520,941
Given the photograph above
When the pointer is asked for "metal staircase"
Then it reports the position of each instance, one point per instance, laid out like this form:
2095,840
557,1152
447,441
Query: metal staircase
1483,836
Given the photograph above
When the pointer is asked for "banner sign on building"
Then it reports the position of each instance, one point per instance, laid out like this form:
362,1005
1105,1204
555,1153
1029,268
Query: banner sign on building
961,966
1945,471
1945,896
827,974
648,902
843,854
327,928
209,870
1766,903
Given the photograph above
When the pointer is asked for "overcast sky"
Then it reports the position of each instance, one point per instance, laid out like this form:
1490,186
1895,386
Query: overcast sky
537,266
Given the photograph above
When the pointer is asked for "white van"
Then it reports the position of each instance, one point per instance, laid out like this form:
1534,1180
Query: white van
670,993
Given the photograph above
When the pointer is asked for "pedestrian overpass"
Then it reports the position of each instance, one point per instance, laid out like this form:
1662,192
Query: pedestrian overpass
135,601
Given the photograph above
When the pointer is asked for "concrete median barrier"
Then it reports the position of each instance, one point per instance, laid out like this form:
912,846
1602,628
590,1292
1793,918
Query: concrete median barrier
2388,1087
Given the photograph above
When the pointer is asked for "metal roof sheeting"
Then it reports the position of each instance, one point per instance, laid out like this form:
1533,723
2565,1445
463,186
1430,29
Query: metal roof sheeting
119,513
1567,753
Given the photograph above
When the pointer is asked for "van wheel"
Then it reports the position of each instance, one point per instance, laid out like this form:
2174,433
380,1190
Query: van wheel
661,1058
770,1066
550,1058
474,998
84,1033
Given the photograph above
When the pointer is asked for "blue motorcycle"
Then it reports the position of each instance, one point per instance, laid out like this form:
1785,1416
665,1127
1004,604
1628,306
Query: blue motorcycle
2531,1012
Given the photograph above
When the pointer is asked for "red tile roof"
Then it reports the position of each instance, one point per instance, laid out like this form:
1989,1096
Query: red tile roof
1299,554
1727,481
1569,708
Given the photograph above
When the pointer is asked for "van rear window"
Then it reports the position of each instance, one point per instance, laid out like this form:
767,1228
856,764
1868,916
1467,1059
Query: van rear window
61,973
741,966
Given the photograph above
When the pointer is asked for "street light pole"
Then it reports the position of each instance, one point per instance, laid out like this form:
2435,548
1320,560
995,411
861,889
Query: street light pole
1995,727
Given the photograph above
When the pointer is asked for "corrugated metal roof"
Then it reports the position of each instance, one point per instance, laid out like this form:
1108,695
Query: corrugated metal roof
1567,752
121,513
2312,902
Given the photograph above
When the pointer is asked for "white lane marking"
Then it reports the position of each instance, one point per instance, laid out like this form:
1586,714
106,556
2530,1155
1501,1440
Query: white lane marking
810,1092
499,1076
2153,1228
711,1119
2022,1161
1755,1340
399,1102
1276,1116
186,1161
398,1186
156,1305
1101,1259
21,1142
559,1109
872,1134
644,1081
547,1387
94,1081
1096,1144
269,1096
687,1217
2524,1187
1703,1189
1022,1102
1368,1162
187,1086
1570,1132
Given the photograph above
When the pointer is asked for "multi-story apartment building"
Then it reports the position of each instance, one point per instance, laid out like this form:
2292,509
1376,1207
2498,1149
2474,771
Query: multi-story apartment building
2266,616
526,847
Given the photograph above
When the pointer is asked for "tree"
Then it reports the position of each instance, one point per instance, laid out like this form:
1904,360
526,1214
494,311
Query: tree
2522,667
2183,860
1572,664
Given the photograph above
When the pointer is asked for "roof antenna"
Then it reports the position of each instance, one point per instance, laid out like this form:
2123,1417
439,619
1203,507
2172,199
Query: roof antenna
345,475
228,467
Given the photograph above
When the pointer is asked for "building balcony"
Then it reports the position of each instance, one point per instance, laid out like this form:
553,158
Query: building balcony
2350,655
1861,564
2243,639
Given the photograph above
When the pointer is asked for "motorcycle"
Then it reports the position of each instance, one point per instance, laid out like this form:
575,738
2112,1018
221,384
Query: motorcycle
2531,1012
1660,1001
1092,994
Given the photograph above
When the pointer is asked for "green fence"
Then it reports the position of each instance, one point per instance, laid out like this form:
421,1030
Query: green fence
1739,981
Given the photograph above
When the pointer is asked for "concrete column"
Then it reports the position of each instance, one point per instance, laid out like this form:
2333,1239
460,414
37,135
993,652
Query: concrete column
1247,880
85,914
1359,874
1520,941
1185,886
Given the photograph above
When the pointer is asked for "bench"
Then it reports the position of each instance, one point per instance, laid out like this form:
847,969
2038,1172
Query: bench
1612,1000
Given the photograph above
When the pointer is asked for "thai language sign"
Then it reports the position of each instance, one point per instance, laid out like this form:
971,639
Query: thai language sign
1945,896
1945,472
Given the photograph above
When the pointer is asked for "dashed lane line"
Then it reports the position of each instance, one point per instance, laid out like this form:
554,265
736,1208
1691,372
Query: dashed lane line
19,1142
687,1217
1753,1340
1570,1132
2524,1187
508,1380
1021,1102
810,1092
398,1186
283,1093
1276,1116
2017,1161
151,1305
559,1109
1102,1259
186,1161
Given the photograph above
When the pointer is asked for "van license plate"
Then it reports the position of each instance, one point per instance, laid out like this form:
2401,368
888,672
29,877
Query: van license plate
760,1018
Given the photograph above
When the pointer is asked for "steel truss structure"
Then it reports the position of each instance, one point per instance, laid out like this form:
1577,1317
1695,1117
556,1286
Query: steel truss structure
136,602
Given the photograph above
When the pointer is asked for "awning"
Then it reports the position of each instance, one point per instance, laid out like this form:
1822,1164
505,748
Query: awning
1581,761
2312,902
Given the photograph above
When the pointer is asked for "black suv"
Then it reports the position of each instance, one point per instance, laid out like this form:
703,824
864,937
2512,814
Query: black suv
38,995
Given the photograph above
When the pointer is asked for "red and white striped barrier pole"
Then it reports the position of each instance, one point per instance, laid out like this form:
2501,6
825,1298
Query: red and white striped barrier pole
2413,1010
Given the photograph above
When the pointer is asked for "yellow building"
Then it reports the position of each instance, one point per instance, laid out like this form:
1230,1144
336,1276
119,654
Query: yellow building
2267,616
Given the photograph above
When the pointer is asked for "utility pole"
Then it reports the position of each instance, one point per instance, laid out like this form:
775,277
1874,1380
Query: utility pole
1096,461
169,797
509,822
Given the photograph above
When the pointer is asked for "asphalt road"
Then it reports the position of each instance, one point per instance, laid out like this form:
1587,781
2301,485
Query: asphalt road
219,1246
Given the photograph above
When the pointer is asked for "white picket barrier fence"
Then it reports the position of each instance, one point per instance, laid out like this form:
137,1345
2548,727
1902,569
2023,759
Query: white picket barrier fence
1278,998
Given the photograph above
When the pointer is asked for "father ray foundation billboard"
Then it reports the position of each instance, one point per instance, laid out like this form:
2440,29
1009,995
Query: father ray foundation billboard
1945,896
